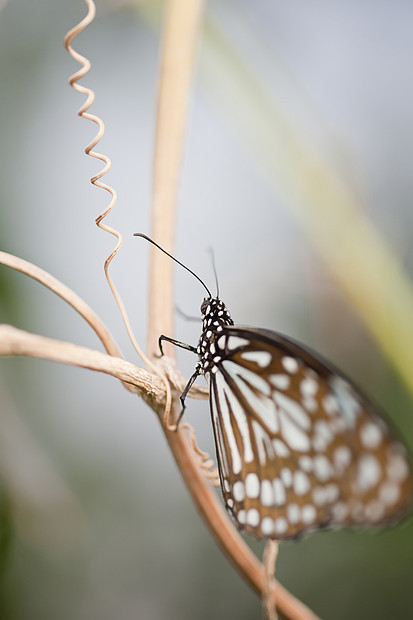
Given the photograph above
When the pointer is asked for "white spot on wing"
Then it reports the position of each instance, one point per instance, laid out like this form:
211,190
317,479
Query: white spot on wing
221,342
263,443
342,457
279,490
319,496
286,476
253,517
326,495
224,416
219,441
280,448
241,516
397,468
267,526
292,418
348,403
290,364
371,435
301,483
280,381
235,371
308,386
280,525
322,468
330,404
267,493
259,403
225,396
238,491
290,407
310,403
252,485
293,513
308,514
389,493
369,472
262,358
322,435
234,342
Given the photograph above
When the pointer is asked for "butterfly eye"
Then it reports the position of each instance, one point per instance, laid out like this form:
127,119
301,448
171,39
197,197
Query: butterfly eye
204,306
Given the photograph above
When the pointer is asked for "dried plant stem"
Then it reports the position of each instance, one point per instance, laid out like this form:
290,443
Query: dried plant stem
96,180
15,341
181,33
269,560
227,536
67,295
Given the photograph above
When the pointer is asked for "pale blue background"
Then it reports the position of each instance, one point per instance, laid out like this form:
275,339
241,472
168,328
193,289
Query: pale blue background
137,548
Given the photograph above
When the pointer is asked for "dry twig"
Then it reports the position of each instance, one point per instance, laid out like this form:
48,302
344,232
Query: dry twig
181,32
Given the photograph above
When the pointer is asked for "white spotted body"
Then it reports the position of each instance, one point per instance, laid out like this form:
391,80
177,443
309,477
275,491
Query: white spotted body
215,317
298,446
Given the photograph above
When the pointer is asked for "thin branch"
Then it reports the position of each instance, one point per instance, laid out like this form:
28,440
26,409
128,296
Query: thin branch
181,33
15,341
63,291
180,38
225,534
269,560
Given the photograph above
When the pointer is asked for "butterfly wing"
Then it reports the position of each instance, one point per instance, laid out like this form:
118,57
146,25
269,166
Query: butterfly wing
298,446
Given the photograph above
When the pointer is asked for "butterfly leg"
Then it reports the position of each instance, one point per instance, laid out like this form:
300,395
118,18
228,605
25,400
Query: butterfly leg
188,386
177,343
184,394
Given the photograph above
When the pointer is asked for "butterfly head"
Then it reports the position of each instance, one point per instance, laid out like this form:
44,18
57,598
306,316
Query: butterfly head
215,314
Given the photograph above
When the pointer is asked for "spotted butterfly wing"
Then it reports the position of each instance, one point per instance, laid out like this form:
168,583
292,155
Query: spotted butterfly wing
298,446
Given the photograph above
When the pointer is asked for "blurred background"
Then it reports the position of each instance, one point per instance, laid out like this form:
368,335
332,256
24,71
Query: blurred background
94,519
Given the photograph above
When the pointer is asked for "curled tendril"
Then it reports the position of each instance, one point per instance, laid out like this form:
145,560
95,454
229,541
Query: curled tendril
206,464
95,180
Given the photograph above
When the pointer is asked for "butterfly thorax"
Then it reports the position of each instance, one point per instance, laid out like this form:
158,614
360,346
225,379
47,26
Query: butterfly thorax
215,317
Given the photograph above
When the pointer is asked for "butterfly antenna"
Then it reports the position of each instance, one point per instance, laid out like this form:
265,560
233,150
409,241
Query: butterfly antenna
211,251
175,259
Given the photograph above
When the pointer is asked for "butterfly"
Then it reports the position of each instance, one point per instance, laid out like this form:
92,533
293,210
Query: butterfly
299,447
